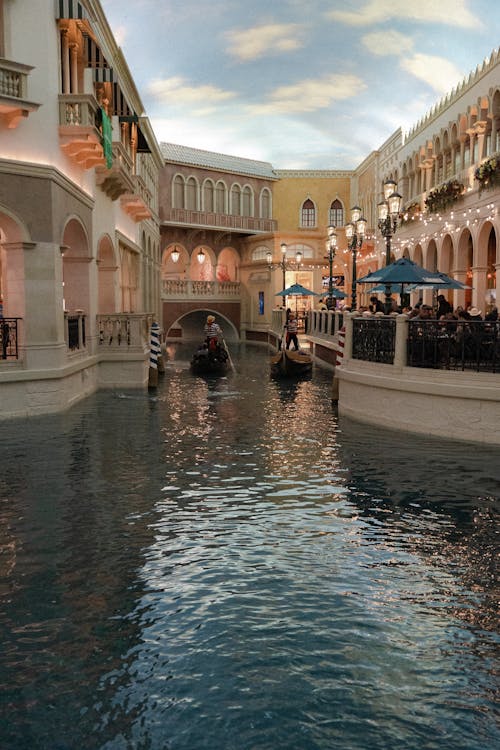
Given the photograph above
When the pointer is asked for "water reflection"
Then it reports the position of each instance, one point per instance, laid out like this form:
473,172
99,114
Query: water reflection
226,563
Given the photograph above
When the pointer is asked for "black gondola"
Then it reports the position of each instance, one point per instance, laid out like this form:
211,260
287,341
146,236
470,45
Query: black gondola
208,361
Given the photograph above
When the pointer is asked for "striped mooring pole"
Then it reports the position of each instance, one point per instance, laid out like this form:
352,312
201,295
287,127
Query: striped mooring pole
153,356
338,362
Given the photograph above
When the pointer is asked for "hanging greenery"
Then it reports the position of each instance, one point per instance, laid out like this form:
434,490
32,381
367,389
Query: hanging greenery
444,196
488,173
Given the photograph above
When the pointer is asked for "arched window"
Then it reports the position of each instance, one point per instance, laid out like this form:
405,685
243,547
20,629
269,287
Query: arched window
308,214
220,197
260,252
191,194
247,196
235,200
178,192
336,214
298,247
265,204
208,196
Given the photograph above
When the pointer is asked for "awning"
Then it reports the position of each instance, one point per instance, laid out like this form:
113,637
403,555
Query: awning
70,9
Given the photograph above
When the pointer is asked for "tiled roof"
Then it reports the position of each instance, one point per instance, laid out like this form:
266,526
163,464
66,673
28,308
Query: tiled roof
222,162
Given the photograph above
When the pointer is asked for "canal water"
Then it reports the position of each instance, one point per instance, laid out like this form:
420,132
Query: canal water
228,565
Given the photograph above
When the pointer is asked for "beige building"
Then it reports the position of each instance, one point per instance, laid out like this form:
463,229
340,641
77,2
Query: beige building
79,226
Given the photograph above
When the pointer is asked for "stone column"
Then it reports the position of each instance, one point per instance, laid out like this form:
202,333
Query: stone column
400,348
65,62
35,290
479,286
73,59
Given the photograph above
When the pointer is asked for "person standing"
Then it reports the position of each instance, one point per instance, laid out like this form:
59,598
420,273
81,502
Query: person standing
213,332
291,332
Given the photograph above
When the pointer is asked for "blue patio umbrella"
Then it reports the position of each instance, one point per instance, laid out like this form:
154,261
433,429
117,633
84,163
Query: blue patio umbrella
403,271
296,290
446,283
380,288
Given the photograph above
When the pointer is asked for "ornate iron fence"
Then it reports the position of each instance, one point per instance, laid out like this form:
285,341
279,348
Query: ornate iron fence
374,339
454,345
9,346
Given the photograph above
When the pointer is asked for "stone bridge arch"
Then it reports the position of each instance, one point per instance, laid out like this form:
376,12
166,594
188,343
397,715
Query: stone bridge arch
184,321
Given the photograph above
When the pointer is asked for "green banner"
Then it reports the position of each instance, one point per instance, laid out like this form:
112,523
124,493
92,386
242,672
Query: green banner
107,138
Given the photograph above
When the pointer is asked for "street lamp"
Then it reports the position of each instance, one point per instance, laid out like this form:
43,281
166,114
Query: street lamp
355,233
201,256
284,264
388,213
175,254
331,247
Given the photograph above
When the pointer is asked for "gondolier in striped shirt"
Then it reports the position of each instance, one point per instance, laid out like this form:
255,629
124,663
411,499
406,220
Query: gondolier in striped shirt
213,333
291,332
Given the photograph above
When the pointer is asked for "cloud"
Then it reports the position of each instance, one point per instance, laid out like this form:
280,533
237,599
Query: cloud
309,95
437,72
388,42
176,92
449,12
263,41
120,33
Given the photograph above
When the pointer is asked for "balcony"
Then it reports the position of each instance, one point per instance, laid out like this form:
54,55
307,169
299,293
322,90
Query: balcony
208,219
118,180
187,289
136,204
79,135
13,91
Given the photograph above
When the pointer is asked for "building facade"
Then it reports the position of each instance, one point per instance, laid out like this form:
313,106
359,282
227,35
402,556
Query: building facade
79,224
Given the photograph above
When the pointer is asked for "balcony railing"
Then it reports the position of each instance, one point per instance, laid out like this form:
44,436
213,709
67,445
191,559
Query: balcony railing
13,92
117,180
124,332
9,346
219,221
188,289
79,134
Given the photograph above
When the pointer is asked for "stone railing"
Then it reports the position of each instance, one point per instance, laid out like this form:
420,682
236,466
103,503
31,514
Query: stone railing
124,332
189,289
223,221
13,79
78,110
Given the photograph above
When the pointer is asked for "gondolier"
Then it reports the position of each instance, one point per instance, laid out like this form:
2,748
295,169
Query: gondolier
213,333
291,332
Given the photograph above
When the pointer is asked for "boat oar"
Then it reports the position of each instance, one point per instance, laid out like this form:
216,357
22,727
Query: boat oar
229,357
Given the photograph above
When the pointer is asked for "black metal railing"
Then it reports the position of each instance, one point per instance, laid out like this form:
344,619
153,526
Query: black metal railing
75,331
454,345
9,347
374,339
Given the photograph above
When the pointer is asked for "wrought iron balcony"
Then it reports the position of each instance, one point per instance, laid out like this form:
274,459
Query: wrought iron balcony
9,342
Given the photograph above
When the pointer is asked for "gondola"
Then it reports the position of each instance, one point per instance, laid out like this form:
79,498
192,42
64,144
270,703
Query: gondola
208,362
289,363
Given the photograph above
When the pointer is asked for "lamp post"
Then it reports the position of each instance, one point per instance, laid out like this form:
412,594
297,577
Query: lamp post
388,213
355,233
331,247
284,264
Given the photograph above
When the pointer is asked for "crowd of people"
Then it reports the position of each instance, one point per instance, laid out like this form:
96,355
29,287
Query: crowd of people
442,310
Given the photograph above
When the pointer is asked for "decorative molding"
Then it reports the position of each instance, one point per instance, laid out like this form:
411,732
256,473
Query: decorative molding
43,172
322,174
